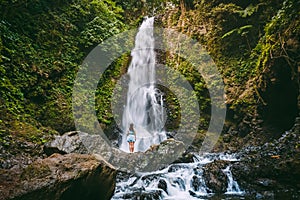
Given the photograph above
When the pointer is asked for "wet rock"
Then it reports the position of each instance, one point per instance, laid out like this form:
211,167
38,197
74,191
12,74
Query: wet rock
268,195
259,196
71,176
270,167
243,129
143,195
266,182
162,184
175,167
180,182
113,131
187,157
193,194
171,134
149,178
214,177
196,183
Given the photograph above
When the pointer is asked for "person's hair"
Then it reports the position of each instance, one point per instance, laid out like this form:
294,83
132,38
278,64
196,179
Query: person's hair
131,127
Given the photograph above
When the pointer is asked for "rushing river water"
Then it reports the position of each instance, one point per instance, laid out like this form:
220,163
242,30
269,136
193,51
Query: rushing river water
177,181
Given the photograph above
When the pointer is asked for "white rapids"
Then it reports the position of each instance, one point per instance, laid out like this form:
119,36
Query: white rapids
181,181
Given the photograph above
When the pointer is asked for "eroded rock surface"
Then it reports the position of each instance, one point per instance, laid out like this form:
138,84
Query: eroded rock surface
71,176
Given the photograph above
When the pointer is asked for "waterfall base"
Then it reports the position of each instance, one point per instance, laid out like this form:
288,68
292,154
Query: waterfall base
144,140
177,181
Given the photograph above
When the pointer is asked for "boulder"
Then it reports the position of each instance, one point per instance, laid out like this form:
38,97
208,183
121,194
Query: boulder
162,184
67,143
79,142
214,177
153,159
71,176
195,183
156,157
141,194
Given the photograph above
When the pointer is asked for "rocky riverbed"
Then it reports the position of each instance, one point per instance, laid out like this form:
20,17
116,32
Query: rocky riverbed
71,166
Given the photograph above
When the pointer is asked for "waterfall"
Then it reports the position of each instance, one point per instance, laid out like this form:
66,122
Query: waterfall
177,181
233,187
144,107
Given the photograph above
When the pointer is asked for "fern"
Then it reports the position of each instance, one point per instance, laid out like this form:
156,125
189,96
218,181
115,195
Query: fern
240,31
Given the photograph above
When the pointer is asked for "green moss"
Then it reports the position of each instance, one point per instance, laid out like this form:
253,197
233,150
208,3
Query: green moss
41,47
35,171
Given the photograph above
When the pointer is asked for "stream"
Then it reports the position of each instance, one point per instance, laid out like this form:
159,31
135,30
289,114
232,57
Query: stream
177,181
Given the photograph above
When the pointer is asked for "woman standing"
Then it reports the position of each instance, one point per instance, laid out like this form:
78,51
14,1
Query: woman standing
131,138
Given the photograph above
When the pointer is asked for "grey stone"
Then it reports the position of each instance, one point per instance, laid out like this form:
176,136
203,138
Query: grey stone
60,177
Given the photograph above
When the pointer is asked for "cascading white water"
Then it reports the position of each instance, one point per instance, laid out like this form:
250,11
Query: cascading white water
177,182
233,187
144,106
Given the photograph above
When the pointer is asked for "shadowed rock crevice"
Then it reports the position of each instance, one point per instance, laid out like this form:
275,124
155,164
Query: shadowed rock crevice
280,95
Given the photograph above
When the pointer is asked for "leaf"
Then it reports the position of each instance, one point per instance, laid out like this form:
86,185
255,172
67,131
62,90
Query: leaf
238,30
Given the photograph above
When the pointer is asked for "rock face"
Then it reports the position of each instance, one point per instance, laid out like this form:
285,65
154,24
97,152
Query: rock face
71,176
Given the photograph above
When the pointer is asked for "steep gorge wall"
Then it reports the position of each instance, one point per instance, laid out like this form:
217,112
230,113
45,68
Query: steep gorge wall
256,48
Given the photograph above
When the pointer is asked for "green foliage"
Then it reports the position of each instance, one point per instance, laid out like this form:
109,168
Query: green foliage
245,38
107,85
284,26
201,94
240,31
250,10
42,44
